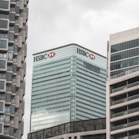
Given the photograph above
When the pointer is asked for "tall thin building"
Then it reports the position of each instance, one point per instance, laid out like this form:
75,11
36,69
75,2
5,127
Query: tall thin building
123,85
68,85
13,34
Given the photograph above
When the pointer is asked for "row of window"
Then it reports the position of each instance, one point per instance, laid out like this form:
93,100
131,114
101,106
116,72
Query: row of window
124,46
5,118
10,16
125,54
7,76
12,67
123,72
91,67
125,63
6,55
9,36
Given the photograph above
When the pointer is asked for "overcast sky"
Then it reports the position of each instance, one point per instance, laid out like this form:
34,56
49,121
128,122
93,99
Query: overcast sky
54,23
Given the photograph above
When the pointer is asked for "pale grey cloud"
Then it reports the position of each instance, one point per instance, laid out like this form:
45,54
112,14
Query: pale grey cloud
53,23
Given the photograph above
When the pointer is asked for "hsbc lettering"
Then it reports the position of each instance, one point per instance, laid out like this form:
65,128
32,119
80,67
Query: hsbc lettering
44,56
84,53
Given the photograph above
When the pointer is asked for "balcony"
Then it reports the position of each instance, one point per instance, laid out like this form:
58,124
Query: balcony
125,99
16,123
13,2
20,22
19,61
21,5
125,87
125,125
125,112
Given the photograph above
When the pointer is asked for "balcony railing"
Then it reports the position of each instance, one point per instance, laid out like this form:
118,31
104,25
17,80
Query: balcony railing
125,99
125,125
130,137
125,112
125,86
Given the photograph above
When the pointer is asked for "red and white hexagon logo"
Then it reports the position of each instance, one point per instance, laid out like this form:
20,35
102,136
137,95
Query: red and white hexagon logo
92,56
51,54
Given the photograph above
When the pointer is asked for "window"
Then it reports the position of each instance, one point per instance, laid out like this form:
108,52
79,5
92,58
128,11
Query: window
1,126
3,43
8,98
12,16
2,85
91,67
1,106
17,10
6,130
12,109
11,36
1,118
7,109
4,4
4,24
2,64
7,118
10,56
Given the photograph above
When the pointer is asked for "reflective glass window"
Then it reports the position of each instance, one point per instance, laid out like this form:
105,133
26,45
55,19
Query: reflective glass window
8,98
125,45
10,56
125,63
3,43
12,16
17,10
125,54
1,106
1,84
3,24
1,128
7,109
11,36
7,118
12,109
1,118
4,4
2,64
6,130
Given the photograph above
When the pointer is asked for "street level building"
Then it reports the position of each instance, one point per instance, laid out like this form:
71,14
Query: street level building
89,129
13,34
123,85
68,85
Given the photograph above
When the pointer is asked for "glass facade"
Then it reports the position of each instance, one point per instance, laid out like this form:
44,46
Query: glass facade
67,86
124,58
73,127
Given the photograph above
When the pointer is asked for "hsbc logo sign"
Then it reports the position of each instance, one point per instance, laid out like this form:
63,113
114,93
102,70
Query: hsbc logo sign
86,54
52,54
92,56
44,56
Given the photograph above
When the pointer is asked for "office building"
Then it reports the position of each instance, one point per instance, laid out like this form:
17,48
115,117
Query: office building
89,129
13,34
123,85
68,85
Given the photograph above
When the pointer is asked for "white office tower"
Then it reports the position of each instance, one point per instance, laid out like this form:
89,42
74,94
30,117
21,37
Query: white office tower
123,85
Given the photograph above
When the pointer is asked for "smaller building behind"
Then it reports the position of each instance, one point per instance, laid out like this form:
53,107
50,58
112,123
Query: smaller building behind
86,129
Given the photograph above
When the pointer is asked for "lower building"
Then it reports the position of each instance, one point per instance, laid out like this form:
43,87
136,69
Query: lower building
86,129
